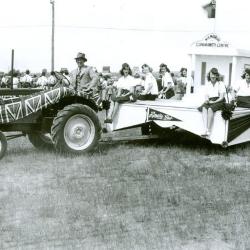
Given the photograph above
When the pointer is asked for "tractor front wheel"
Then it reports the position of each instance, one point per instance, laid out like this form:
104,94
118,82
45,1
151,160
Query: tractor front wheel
76,129
40,140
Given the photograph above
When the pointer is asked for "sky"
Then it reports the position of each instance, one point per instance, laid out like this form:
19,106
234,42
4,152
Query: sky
112,32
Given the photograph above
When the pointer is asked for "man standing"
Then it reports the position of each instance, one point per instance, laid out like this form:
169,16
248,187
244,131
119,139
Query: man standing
84,77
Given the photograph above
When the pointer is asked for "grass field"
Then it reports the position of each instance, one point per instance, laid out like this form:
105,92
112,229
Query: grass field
180,194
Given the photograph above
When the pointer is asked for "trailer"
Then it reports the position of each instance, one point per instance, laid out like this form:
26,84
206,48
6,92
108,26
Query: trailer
159,116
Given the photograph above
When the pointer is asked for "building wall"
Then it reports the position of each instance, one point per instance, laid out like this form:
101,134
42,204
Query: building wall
222,63
219,62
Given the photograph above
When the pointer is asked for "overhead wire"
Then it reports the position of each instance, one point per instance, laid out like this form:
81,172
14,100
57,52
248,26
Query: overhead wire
136,29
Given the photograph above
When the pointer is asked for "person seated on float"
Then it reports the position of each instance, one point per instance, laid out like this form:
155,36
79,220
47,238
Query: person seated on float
137,77
214,95
241,90
184,84
149,84
125,89
138,81
165,83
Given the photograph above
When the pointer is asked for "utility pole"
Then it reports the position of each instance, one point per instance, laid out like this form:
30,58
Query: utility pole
53,36
12,68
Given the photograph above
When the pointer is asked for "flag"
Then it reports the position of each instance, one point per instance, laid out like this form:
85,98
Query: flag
210,8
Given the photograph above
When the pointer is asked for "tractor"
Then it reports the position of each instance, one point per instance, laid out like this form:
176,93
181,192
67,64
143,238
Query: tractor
59,117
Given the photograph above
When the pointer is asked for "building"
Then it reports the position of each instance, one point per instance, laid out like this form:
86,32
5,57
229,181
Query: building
211,52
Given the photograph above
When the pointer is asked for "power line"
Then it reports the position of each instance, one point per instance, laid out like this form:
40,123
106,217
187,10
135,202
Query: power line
24,26
117,29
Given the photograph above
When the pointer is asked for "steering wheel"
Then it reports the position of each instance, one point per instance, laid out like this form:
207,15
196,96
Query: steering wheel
61,77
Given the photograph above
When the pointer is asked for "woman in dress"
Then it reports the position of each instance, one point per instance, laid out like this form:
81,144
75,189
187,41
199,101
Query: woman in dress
166,82
149,83
125,88
214,95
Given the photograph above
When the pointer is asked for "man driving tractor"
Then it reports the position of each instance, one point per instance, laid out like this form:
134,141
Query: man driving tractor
84,77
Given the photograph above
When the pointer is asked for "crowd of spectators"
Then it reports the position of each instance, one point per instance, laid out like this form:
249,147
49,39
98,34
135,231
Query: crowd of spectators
27,79
164,83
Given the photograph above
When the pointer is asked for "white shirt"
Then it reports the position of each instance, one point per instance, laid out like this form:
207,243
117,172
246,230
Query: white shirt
4,80
167,80
137,81
42,81
26,78
242,88
125,82
15,82
214,90
188,82
52,80
150,84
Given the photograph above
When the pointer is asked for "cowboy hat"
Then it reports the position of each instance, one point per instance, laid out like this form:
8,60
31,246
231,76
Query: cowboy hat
81,55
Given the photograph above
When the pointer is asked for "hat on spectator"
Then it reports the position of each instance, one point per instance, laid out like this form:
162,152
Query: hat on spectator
81,55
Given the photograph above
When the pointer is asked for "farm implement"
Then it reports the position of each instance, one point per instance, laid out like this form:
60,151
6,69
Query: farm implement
160,116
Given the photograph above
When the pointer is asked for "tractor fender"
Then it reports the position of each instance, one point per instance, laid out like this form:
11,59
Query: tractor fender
68,100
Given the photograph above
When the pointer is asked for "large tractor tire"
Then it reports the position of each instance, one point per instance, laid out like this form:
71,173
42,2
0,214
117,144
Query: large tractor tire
3,145
76,129
40,140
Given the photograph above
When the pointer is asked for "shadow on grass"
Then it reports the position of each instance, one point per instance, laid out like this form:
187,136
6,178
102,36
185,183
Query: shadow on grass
177,139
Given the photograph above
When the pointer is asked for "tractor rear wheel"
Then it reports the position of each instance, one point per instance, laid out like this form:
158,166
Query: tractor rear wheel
76,129
40,140
3,145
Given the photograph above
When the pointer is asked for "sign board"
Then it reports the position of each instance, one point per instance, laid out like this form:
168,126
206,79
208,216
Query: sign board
106,69
153,115
212,41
